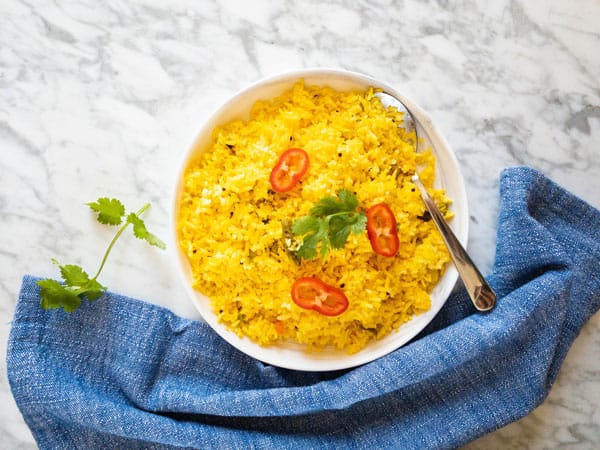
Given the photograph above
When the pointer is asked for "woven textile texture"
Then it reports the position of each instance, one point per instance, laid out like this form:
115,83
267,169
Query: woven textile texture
122,373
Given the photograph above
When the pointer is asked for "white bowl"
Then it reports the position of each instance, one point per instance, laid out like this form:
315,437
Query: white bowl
448,176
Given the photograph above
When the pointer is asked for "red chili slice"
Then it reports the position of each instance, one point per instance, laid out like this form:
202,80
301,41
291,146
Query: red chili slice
382,230
290,167
312,293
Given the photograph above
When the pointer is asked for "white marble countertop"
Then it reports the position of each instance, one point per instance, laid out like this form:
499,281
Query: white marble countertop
102,98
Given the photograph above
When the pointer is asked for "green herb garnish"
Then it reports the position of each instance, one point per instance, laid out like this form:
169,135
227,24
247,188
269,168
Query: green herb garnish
329,224
77,284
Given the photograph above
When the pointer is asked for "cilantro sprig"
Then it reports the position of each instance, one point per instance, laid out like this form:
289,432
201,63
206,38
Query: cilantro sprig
329,224
77,284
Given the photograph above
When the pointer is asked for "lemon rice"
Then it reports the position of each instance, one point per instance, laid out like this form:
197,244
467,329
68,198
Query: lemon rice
235,230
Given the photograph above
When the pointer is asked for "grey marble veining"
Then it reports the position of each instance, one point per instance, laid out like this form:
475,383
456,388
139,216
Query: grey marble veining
102,98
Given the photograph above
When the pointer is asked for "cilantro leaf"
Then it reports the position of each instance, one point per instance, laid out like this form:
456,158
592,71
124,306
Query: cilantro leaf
304,225
93,290
326,207
141,232
73,275
308,249
55,295
339,230
318,234
348,199
329,224
110,211
359,223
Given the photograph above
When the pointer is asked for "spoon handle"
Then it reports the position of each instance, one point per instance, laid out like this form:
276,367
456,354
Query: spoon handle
482,295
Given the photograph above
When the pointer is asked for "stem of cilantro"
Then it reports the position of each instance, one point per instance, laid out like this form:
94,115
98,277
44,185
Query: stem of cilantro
342,213
114,240
77,284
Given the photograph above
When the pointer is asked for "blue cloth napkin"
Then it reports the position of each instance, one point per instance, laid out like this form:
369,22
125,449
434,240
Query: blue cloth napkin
121,373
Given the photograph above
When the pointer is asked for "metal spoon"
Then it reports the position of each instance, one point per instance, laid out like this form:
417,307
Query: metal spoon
480,292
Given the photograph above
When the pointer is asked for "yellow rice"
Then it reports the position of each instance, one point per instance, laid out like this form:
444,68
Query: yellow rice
232,226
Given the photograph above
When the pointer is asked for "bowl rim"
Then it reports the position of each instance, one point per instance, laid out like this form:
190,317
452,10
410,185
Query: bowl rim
269,355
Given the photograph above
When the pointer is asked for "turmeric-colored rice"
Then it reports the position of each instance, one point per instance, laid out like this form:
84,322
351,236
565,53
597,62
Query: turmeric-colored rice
234,228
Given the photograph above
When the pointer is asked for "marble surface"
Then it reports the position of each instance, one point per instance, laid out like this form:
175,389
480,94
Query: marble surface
102,98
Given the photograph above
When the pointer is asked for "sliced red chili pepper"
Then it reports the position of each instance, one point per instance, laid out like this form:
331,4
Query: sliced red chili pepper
290,167
382,230
312,293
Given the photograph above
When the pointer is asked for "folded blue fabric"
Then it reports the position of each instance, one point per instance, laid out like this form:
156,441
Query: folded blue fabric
121,373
